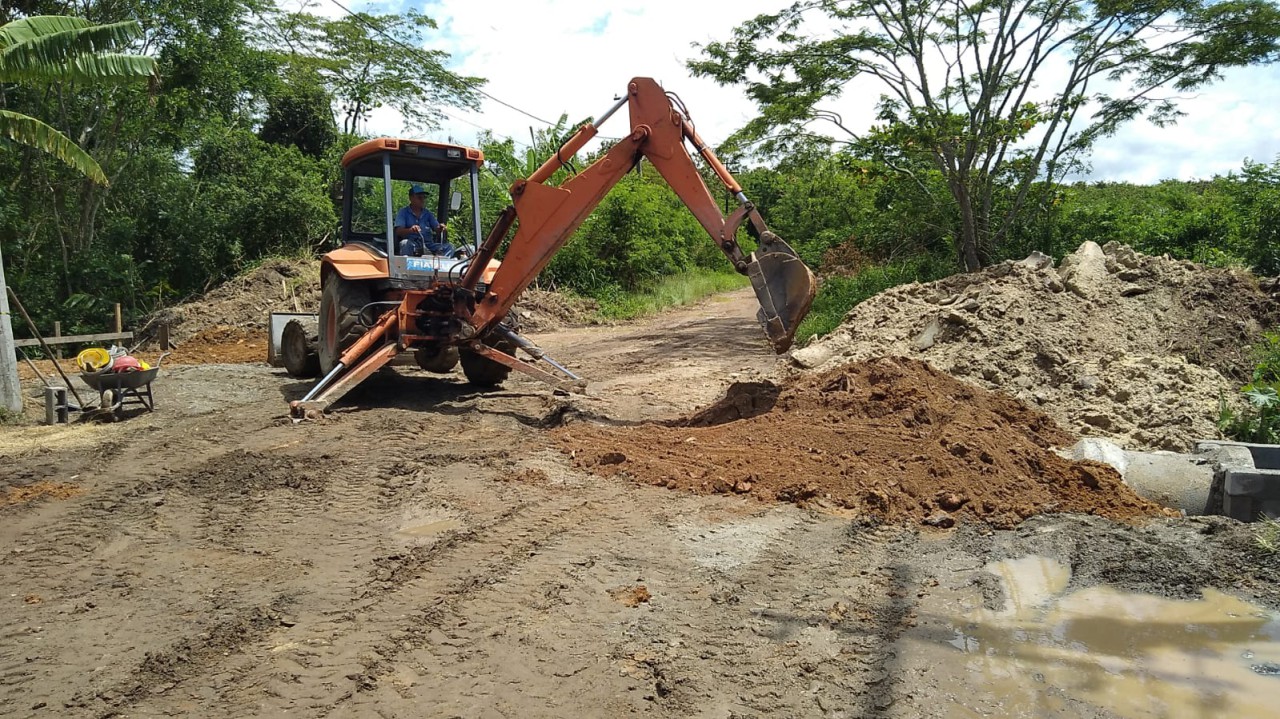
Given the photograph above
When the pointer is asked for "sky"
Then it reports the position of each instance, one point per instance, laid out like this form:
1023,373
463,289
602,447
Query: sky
549,57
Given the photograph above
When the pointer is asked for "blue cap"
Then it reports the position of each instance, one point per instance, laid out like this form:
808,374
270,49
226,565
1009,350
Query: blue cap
417,190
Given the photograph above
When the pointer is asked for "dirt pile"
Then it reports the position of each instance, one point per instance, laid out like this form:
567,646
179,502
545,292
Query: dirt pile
1111,343
893,439
244,302
39,490
222,345
544,311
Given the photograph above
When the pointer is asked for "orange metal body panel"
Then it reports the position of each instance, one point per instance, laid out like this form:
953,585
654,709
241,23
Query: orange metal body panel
353,262
371,147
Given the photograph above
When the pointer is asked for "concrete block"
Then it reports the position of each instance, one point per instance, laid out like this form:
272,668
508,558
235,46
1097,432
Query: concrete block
1250,494
56,410
1101,450
1247,481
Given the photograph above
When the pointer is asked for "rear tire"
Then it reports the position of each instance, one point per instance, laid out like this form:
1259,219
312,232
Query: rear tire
483,372
340,303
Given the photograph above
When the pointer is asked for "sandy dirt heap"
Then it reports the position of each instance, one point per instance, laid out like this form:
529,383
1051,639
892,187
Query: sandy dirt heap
893,439
1110,343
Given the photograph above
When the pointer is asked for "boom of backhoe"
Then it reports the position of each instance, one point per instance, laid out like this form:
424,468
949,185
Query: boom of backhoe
469,312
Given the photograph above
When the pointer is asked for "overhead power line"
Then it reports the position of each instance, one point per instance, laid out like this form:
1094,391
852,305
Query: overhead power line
478,126
418,51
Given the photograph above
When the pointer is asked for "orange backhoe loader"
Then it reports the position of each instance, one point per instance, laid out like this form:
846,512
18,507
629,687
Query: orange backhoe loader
376,303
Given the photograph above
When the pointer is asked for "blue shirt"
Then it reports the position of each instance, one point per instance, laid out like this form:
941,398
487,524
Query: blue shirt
406,218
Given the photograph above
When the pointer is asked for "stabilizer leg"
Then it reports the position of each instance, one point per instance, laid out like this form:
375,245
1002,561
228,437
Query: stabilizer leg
301,409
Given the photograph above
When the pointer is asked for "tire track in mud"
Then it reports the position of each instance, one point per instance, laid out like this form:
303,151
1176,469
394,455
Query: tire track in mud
347,549
67,559
471,565
235,502
171,549
340,650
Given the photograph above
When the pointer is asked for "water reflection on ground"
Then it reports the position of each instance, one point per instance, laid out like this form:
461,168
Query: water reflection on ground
1136,655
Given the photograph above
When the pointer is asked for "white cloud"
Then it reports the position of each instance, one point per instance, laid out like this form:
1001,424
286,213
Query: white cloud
575,56
1225,124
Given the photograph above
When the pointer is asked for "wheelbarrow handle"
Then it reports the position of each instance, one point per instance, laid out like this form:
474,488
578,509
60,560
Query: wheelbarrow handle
161,360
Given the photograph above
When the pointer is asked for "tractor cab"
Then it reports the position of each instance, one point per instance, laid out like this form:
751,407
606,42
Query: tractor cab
376,179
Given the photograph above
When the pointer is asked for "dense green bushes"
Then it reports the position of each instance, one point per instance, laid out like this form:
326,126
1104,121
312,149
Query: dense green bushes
846,216
230,156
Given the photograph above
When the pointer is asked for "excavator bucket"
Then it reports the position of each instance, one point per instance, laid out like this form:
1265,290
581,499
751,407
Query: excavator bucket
785,288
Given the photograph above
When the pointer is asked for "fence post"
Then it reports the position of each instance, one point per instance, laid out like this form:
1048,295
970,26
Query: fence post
57,335
164,336
119,323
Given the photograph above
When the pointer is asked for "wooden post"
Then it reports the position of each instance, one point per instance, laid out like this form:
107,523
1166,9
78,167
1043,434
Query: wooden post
57,335
164,336
119,323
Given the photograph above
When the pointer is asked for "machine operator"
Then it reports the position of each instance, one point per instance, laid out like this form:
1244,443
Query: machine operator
410,222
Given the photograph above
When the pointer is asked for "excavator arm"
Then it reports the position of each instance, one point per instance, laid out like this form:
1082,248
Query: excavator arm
548,215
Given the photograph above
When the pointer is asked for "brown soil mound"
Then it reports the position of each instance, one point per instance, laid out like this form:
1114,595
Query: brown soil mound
1111,343
245,302
222,345
893,439
543,311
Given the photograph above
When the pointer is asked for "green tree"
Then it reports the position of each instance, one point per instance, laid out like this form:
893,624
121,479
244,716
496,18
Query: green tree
48,49
372,60
966,84
299,114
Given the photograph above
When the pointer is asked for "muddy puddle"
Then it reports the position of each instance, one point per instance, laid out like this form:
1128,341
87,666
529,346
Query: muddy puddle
1098,649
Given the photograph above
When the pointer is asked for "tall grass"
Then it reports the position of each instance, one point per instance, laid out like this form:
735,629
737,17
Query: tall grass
672,291
1267,535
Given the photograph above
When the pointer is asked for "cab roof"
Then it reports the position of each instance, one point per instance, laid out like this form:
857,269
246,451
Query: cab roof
419,160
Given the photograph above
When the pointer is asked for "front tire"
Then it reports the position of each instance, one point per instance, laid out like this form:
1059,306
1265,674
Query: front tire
483,372
440,361
341,301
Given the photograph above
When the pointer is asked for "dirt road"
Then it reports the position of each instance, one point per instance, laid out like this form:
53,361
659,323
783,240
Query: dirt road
427,551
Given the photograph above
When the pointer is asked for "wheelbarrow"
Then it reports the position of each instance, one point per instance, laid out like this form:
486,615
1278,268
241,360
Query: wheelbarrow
117,389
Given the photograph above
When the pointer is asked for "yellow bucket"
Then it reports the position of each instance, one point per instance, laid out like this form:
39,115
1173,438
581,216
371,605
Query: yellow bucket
94,359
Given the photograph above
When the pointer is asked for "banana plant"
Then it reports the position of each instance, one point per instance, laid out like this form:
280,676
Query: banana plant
48,49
